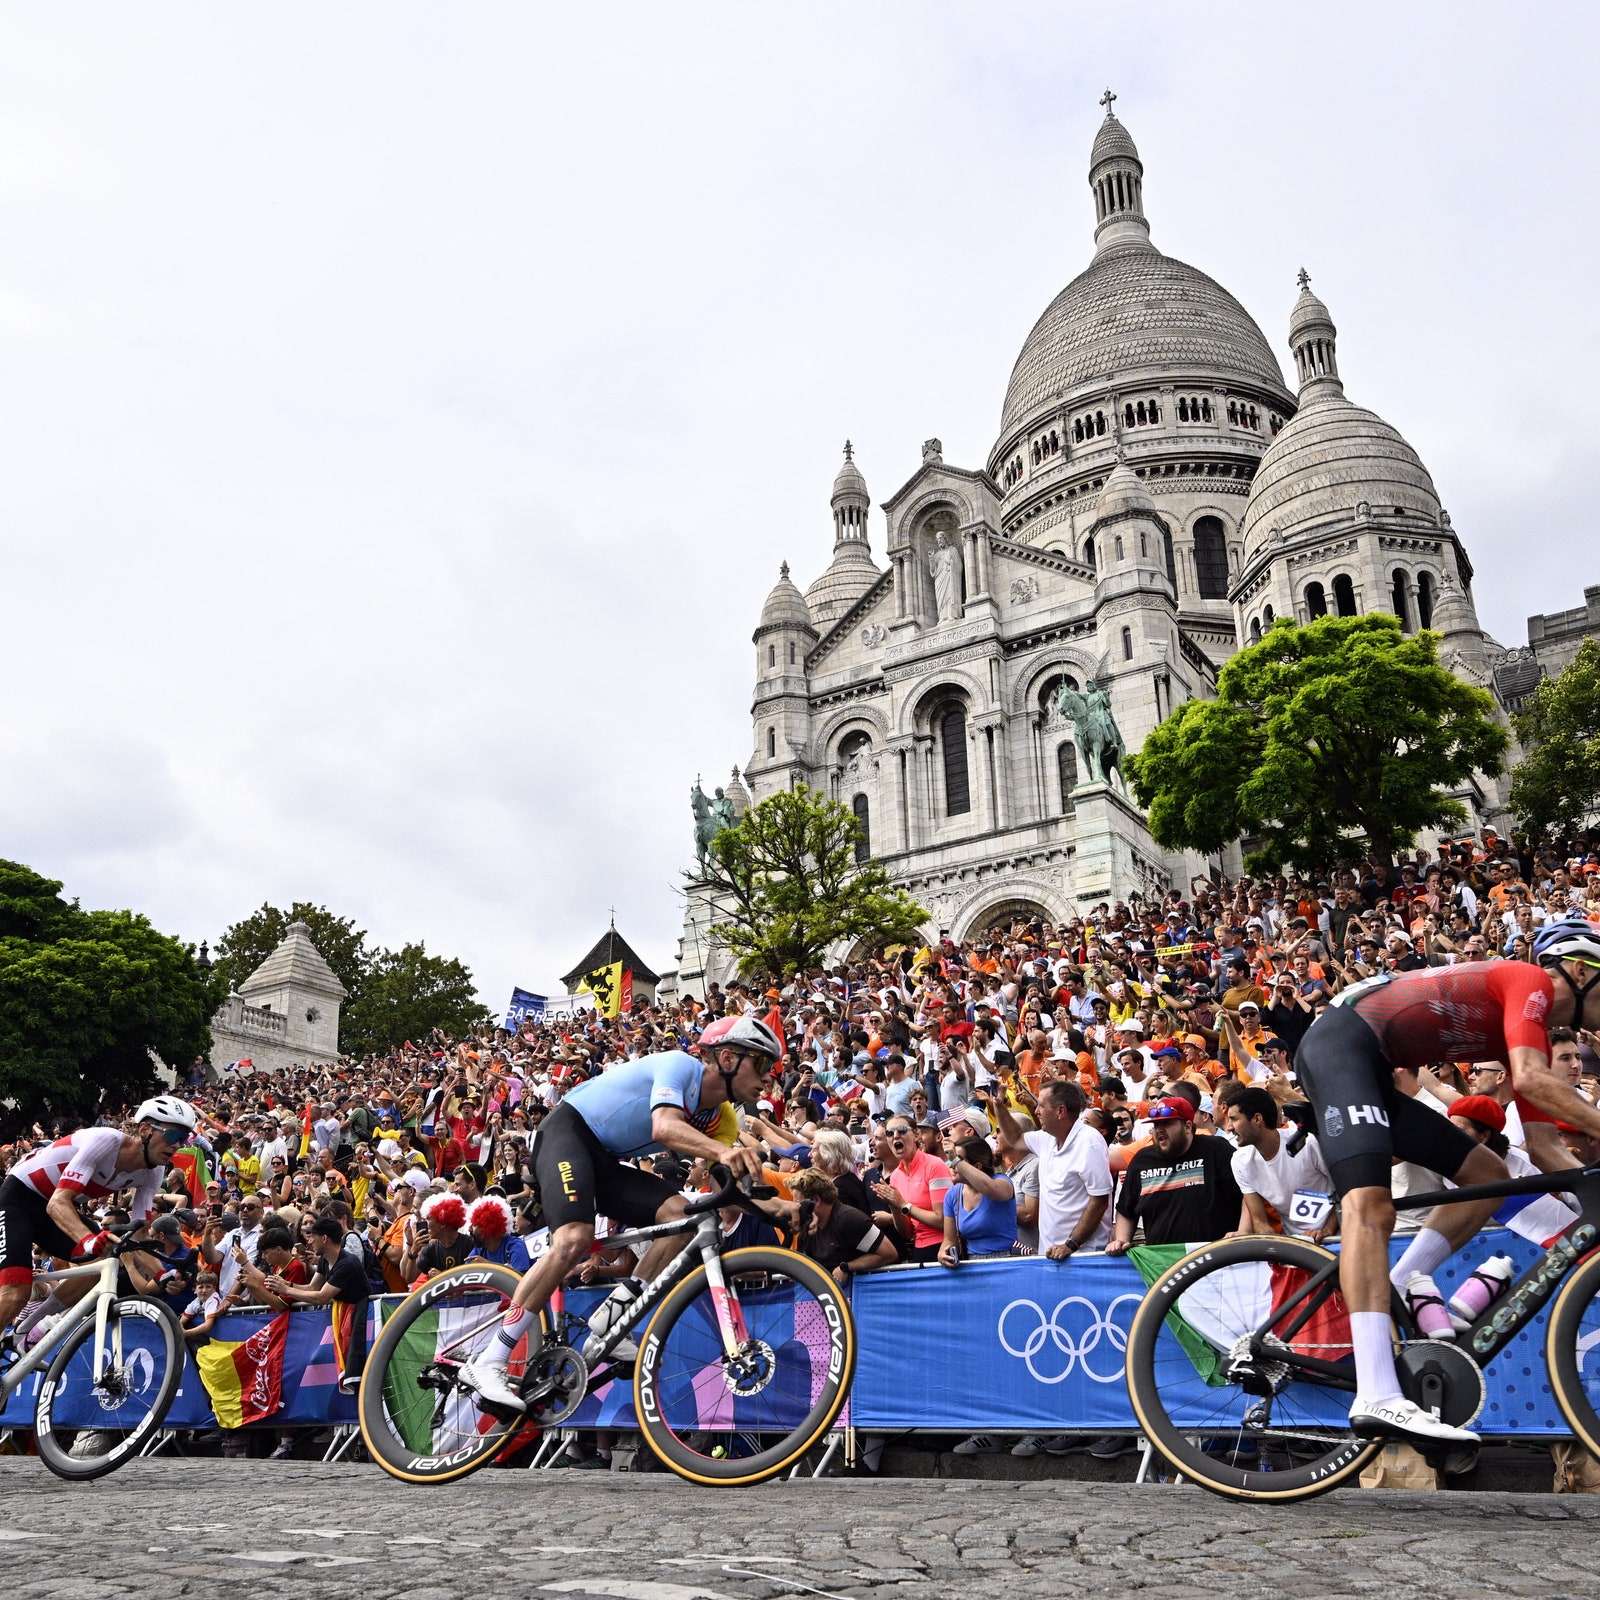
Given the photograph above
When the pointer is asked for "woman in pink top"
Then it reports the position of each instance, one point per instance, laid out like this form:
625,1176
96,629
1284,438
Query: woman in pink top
915,1192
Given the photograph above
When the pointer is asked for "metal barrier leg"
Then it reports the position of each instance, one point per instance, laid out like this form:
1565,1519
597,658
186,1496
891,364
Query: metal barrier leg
162,1439
345,1438
835,1444
547,1442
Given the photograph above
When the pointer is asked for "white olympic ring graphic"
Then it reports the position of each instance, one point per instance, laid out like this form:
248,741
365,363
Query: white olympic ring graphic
1075,1347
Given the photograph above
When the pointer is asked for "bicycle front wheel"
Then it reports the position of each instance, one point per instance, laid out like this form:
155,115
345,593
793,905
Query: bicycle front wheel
1572,1352
735,1420
88,1422
1245,1422
418,1421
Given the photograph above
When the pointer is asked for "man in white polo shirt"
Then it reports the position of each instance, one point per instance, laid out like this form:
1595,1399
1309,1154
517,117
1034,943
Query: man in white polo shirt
1074,1171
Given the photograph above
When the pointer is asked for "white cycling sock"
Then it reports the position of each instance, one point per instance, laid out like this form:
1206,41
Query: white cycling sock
511,1330
1430,1249
1371,1334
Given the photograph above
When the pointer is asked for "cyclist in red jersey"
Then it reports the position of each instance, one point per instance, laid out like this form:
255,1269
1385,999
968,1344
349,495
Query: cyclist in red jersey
38,1198
1499,1011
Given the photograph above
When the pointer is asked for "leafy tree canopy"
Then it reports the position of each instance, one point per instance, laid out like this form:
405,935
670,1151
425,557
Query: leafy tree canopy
85,996
1327,742
1556,786
788,882
405,995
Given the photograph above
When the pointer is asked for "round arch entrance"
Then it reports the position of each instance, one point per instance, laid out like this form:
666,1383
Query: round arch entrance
1003,910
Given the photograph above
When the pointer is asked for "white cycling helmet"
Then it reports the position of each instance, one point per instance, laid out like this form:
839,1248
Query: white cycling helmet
168,1111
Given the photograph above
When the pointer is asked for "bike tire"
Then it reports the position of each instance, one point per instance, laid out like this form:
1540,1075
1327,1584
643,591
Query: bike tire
148,1326
390,1402
1575,1369
688,1310
1157,1383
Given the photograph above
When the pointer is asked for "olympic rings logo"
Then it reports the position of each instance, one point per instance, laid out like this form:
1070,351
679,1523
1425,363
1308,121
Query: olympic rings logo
1076,1340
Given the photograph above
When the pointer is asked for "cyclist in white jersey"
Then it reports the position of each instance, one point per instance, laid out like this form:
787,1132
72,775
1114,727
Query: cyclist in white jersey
665,1101
38,1199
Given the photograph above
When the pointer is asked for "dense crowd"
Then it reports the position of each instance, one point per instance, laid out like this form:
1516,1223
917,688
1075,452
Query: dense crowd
1032,1089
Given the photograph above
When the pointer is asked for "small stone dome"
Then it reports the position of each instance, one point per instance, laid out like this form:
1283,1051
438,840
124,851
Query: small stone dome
849,481
1327,459
1123,492
786,606
1113,140
1309,314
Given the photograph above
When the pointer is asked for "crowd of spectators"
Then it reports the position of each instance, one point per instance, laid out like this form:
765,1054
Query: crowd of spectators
1034,1089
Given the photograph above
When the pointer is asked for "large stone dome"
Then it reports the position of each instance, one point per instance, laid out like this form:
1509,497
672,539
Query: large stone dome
1327,459
1136,314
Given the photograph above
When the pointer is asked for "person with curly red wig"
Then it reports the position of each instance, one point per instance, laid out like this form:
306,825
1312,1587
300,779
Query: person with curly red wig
489,1222
445,1216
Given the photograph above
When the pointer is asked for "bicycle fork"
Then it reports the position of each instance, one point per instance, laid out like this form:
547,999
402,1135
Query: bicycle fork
730,1317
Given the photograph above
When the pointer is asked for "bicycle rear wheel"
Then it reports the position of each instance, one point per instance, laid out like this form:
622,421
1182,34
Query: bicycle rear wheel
731,1422
419,1423
1250,1429
1572,1352
88,1425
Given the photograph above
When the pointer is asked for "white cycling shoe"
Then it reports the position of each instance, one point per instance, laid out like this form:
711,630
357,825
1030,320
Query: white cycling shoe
488,1379
1404,1419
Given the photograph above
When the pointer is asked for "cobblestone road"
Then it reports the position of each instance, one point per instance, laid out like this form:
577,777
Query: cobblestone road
207,1528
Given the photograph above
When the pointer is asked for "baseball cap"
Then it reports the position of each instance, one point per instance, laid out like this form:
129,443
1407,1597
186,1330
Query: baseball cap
1168,1054
1132,1025
1174,1107
1248,1005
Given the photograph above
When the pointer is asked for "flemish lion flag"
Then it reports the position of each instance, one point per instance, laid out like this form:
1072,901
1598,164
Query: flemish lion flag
605,984
244,1377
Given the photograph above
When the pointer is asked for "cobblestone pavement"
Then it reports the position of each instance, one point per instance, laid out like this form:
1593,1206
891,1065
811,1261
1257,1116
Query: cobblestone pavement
261,1529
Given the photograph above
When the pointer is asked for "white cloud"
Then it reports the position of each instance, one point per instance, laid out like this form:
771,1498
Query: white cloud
406,410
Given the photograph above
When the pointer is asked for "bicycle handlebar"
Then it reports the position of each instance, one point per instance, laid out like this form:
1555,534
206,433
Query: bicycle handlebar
735,1191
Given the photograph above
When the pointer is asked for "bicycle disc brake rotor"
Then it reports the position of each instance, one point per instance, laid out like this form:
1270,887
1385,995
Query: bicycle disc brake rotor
751,1369
556,1383
1442,1378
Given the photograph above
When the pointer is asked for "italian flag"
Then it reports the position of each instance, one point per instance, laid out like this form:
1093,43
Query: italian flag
433,1333
1221,1306
244,1377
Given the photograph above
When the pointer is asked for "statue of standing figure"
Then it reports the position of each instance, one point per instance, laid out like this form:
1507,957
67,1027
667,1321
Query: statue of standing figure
944,567
1098,736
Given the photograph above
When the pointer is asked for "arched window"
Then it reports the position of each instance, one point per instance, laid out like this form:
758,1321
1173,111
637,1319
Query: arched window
1171,559
1233,411
1401,601
1067,772
864,843
1077,430
1211,558
1266,618
1127,416
1127,644
1088,550
1119,547
791,653
1205,410
1344,595
1183,409
1099,422
1255,630
1425,599
772,744
1316,601
772,655
953,737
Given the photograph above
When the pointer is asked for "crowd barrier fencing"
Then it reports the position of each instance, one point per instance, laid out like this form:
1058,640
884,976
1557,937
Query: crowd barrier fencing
1008,1345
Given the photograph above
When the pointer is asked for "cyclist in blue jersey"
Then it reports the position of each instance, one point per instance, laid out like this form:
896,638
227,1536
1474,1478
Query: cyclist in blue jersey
662,1102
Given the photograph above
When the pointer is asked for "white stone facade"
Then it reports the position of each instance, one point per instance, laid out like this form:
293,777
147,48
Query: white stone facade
1157,495
286,1013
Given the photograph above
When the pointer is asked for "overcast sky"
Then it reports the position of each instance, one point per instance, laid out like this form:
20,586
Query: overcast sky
404,409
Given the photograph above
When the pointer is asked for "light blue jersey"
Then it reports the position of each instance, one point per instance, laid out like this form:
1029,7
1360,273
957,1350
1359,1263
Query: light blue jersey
617,1104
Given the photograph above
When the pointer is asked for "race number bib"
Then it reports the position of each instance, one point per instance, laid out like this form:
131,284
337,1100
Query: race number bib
1309,1210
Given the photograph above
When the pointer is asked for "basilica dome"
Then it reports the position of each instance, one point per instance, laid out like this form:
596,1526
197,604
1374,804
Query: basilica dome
1332,456
1136,314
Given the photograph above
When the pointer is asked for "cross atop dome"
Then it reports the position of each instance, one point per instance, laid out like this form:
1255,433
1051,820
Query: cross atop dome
849,454
1303,278
1106,100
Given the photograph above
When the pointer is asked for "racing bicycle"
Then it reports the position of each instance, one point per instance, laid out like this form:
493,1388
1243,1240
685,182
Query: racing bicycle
1240,1365
115,1363
744,1362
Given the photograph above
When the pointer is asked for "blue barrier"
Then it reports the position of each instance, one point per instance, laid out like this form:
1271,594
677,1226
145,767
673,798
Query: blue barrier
1020,1343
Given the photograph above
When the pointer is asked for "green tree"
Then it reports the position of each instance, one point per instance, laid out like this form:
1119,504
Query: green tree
1556,786
85,996
788,883
245,945
406,994
1328,742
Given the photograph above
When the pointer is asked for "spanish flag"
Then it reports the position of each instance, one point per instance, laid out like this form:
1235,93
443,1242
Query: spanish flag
244,1377
605,984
